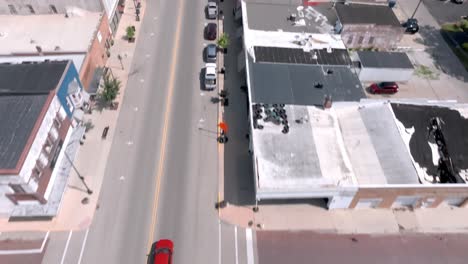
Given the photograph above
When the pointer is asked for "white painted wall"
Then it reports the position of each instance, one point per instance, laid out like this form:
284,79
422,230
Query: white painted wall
76,58
60,158
39,141
385,75
340,202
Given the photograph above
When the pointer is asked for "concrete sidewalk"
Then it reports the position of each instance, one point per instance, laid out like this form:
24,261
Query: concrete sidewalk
358,221
91,159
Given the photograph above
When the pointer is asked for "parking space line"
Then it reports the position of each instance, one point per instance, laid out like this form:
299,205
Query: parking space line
219,241
66,247
83,246
248,238
235,245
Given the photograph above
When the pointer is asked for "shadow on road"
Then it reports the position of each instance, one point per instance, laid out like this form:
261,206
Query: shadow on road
440,52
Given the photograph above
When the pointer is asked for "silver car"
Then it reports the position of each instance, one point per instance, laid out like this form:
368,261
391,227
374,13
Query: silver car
212,10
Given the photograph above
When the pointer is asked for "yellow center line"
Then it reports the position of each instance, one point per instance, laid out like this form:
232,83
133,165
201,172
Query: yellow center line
162,154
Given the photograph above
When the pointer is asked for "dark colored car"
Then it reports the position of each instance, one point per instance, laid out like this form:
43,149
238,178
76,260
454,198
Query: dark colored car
384,88
161,252
411,26
211,52
211,31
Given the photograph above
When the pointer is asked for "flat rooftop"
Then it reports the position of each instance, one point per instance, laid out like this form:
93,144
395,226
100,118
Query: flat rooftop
299,84
374,59
52,33
366,14
24,89
273,15
352,144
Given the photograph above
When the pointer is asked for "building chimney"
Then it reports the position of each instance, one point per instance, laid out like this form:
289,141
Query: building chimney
327,102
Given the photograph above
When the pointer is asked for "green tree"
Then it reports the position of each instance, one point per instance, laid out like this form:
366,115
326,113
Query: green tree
130,32
111,88
223,41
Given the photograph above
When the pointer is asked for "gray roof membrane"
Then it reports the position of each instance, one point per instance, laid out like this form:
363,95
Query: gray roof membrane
272,15
18,117
372,59
391,150
34,78
300,84
366,14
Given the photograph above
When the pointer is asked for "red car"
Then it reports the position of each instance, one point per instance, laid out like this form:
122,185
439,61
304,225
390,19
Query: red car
161,252
384,88
211,31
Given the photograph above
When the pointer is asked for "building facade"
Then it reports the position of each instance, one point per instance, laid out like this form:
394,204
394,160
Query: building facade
38,122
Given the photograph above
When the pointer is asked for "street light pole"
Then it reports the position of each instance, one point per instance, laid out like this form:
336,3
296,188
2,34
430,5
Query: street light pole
414,13
88,190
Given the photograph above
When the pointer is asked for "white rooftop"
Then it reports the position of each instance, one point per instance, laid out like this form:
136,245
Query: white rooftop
52,33
352,144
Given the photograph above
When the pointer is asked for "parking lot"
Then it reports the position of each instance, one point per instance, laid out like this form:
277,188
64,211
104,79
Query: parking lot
446,11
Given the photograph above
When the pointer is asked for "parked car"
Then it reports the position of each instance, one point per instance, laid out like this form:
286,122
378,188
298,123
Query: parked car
161,252
210,76
411,26
458,1
384,88
211,31
211,52
212,10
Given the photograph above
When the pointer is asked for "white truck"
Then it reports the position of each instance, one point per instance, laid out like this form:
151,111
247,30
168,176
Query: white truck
210,76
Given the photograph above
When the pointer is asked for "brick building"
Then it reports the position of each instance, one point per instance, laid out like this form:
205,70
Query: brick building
82,36
38,134
368,26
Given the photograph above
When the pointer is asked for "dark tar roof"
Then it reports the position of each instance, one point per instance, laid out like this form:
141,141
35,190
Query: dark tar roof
31,78
270,15
366,14
24,89
295,84
454,129
299,56
372,59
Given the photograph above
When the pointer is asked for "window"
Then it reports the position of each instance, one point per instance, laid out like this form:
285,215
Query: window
12,9
53,9
31,9
57,122
36,174
360,40
17,188
371,40
350,40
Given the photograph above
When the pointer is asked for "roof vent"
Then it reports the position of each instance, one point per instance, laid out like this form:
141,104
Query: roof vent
314,56
329,71
318,85
39,49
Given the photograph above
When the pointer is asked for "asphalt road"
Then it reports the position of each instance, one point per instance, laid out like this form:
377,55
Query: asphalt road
165,184
309,247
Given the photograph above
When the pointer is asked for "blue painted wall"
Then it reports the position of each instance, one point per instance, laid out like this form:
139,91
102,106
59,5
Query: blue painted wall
70,74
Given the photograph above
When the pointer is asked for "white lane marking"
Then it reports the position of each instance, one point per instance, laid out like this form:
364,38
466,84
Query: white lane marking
83,246
219,239
235,238
66,247
248,238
